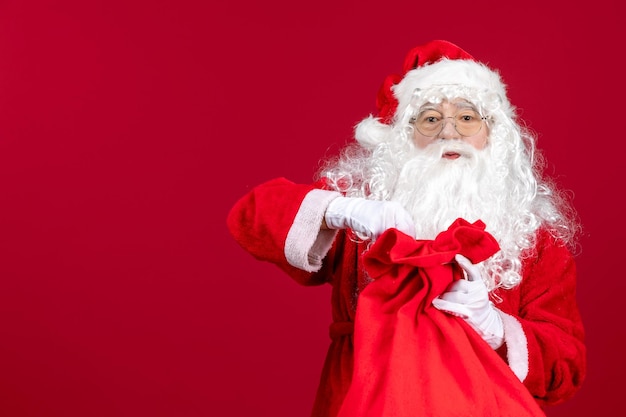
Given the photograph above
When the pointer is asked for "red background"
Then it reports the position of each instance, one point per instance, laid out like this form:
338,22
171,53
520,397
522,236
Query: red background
129,128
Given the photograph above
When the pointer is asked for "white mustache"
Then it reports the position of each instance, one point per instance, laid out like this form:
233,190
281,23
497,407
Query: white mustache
461,148
435,151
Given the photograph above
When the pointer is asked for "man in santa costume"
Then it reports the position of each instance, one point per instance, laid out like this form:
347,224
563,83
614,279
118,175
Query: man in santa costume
445,145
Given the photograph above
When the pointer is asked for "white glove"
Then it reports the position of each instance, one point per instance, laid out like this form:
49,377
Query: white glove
368,218
469,299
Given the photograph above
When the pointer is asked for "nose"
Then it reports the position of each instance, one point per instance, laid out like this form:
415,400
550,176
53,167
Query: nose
448,131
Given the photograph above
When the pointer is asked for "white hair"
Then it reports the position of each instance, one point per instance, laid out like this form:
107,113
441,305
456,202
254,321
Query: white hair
501,184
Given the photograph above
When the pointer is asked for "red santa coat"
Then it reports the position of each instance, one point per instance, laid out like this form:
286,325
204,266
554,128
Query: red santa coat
279,222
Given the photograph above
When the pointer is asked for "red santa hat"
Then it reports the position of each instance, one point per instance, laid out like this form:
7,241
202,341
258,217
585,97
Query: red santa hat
421,55
439,65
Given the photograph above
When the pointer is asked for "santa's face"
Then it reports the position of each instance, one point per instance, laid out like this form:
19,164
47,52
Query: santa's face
456,119
449,174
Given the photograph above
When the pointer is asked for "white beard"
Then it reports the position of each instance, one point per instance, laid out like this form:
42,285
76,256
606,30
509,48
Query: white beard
436,191
488,185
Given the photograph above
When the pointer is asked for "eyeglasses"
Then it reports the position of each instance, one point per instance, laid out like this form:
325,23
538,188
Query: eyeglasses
467,122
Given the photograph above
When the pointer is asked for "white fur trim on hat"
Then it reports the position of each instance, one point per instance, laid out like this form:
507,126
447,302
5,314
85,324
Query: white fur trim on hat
466,74
453,78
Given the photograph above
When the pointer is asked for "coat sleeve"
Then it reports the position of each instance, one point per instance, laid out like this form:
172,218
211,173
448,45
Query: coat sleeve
279,222
545,339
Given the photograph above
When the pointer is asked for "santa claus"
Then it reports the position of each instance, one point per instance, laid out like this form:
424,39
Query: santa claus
446,145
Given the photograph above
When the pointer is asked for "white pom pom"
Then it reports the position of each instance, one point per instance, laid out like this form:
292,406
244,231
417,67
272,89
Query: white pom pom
370,132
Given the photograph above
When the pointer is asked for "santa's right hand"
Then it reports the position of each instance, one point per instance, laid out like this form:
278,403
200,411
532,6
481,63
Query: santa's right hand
368,218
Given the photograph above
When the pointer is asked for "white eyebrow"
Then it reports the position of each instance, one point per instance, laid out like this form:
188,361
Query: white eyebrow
429,106
459,104
464,104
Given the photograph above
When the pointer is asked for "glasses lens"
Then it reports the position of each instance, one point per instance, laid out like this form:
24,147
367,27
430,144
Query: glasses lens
429,122
468,122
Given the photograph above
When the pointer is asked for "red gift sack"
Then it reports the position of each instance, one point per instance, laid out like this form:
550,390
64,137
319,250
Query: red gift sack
414,360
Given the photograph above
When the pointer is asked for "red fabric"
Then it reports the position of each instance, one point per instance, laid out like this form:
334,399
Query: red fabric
432,52
547,346
386,102
414,359
427,53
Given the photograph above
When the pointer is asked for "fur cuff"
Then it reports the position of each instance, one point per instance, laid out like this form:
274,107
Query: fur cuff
517,345
306,245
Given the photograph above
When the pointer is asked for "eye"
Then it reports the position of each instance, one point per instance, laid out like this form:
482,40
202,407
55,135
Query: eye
468,116
429,117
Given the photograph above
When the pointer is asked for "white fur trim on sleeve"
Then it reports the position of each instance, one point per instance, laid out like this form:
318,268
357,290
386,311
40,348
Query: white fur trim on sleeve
306,245
516,344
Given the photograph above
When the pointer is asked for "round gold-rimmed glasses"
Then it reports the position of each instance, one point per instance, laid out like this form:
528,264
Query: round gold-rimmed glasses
467,122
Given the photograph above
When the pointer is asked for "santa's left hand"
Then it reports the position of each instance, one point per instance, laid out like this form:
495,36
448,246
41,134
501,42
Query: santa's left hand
469,299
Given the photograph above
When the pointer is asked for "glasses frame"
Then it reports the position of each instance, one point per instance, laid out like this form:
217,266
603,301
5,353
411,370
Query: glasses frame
483,119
